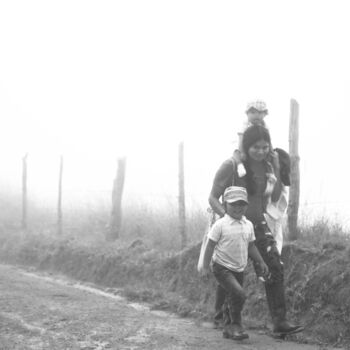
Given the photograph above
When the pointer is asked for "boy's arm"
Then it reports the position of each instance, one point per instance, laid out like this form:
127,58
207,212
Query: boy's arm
209,250
254,254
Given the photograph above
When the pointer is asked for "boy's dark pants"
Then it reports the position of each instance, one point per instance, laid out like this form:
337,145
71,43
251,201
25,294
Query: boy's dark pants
219,303
274,286
231,292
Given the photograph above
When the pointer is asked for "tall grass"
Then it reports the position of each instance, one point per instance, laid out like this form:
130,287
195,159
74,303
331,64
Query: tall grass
157,225
323,232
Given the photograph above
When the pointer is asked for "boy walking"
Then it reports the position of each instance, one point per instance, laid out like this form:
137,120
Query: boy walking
230,242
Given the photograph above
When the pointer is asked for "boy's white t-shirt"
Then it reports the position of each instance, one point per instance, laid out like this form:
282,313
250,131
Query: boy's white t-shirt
232,237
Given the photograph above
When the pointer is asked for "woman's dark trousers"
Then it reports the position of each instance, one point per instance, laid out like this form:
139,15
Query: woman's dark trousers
274,285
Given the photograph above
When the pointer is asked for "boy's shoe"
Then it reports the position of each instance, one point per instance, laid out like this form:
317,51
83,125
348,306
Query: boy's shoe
218,323
234,332
244,335
242,331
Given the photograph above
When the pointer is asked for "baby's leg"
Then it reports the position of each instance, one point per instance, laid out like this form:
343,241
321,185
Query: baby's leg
238,157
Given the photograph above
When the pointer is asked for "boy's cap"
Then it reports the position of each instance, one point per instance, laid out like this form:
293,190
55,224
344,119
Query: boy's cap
258,105
235,193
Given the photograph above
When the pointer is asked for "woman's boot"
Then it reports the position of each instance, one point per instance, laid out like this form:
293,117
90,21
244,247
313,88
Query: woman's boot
277,306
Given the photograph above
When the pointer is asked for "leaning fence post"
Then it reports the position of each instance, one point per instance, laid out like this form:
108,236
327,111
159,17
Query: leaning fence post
294,191
116,214
59,202
24,192
182,210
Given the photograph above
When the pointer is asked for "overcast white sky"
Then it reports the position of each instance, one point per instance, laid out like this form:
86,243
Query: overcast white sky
97,79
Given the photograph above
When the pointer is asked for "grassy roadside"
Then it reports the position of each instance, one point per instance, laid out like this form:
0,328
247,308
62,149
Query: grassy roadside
317,277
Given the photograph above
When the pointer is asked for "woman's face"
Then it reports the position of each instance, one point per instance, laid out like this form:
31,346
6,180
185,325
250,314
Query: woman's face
259,150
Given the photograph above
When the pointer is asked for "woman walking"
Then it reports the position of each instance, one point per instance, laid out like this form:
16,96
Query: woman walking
264,185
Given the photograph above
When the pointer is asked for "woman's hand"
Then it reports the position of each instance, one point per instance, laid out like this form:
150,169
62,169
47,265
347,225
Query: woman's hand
264,269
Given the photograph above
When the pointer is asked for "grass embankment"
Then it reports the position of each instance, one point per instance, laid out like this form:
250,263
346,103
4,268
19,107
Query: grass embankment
317,277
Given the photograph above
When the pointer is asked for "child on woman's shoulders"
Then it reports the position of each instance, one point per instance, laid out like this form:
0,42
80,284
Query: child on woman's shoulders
256,112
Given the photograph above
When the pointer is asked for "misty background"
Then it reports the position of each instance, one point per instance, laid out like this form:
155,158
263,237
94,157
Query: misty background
98,80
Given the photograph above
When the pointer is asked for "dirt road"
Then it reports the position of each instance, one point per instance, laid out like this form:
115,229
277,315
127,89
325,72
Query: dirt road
39,311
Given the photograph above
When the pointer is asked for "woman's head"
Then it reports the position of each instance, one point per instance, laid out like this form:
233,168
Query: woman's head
256,142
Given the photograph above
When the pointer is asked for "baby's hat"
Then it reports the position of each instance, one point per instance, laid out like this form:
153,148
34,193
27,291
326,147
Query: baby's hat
259,105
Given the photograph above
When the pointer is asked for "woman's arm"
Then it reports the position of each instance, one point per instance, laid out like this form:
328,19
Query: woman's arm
216,205
223,179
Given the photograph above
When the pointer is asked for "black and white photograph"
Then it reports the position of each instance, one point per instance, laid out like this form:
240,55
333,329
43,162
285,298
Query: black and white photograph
173,175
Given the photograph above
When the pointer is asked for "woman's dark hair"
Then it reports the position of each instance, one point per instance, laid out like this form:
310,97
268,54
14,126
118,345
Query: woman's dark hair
252,135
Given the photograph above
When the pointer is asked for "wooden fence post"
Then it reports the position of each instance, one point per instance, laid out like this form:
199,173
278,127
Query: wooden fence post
294,191
182,210
59,202
117,193
24,192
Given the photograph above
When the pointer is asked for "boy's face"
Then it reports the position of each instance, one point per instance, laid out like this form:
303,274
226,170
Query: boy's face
255,116
236,209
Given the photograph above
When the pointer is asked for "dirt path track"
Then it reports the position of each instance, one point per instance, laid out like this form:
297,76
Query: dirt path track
38,311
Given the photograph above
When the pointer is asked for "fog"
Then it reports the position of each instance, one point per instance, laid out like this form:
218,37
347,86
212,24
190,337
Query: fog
95,81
